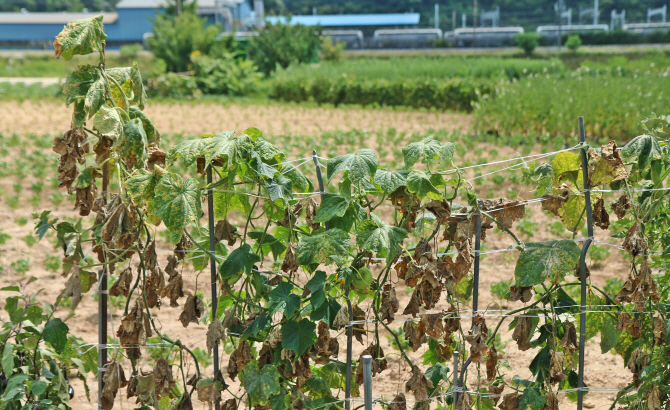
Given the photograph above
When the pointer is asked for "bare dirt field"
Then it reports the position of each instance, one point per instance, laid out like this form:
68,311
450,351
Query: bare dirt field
601,370
51,117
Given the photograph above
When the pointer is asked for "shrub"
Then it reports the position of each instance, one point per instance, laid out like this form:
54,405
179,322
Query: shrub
225,75
282,45
174,85
574,42
330,50
452,94
176,38
527,42
130,51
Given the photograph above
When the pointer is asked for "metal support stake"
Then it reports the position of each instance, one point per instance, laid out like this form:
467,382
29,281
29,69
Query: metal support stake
453,387
475,281
212,263
102,331
367,381
582,264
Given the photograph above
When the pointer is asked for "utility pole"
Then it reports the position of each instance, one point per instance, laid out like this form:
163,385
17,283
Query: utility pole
437,15
453,20
595,12
559,6
178,7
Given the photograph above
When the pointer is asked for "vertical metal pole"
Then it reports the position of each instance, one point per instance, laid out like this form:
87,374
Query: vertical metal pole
212,264
453,387
582,264
367,381
102,331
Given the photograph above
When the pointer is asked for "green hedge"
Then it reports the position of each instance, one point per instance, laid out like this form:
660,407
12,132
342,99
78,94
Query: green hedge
453,94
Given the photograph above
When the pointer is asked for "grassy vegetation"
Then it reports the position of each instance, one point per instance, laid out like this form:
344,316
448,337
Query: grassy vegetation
613,105
423,68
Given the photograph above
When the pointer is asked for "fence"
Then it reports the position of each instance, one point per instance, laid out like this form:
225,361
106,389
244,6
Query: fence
459,367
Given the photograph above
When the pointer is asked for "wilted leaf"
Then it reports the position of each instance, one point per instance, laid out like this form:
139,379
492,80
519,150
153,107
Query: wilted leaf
174,290
634,242
553,203
545,260
290,263
477,339
215,333
419,384
600,216
390,304
522,333
163,377
240,357
135,329
491,364
621,206
319,248
80,37
224,230
379,363
504,210
114,379
193,310
606,167
416,336
122,285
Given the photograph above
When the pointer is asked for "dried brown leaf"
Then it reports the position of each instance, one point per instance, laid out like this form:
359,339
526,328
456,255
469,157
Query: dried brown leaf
71,151
208,393
114,380
524,294
556,371
379,363
150,256
290,263
171,268
123,283
552,203
413,307
552,401
419,384
522,333
154,287
464,401
182,247
85,197
342,318
359,331
215,333
433,324
569,340
399,402
477,339
390,304
510,401
624,320
441,209
495,392
134,330
621,206
600,216
163,377
607,166
505,211
225,231
310,213
239,358
635,243
416,336
174,290
491,364
659,330
193,310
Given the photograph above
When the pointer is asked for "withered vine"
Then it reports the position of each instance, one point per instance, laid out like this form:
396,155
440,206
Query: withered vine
289,270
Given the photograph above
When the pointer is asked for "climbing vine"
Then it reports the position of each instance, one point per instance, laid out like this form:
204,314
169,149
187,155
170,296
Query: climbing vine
298,269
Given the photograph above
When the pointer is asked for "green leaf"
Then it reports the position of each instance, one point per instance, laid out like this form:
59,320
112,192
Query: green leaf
141,183
130,80
260,385
279,188
224,146
436,374
298,336
447,154
319,248
259,324
42,225
419,183
38,387
532,399
327,311
95,97
427,149
108,122
645,147
268,151
133,145
268,242
300,181
55,333
571,211
282,300
378,237
609,336
225,202
332,205
360,165
177,201
241,260
84,87
149,127
80,37
542,260
316,288
188,151
389,181
8,359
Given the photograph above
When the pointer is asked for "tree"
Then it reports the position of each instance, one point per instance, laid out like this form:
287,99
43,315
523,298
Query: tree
527,42
284,44
574,42
175,38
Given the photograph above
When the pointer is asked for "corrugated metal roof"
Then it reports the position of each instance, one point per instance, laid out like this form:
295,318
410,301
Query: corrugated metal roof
343,20
52,18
